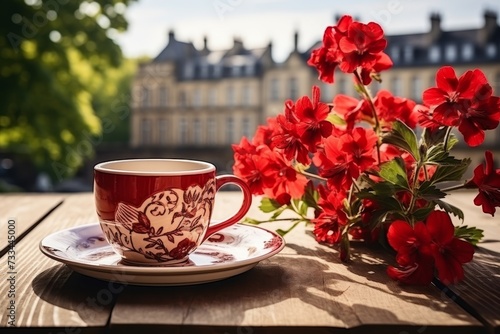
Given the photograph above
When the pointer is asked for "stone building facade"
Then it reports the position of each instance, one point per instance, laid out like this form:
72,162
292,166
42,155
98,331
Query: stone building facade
196,103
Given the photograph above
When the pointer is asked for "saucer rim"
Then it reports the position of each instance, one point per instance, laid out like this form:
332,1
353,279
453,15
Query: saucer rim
159,270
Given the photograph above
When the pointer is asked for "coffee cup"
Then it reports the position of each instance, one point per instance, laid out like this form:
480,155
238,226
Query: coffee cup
158,211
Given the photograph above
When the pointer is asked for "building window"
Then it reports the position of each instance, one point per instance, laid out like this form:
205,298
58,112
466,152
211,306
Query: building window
145,97
496,88
183,131
416,88
396,86
197,131
163,92
249,69
245,128
467,51
408,55
197,98
293,88
326,92
247,95
204,70
188,71
217,71
236,71
212,97
146,133
162,124
395,54
342,86
275,90
434,54
375,86
451,52
182,99
229,130
211,131
230,96
491,50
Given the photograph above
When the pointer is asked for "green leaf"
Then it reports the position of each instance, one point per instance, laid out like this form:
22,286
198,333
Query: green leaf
252,221
429,192
282,232
422,213
470,234
403,137
268,205
450,209
335,119
311,197
451,170
394,171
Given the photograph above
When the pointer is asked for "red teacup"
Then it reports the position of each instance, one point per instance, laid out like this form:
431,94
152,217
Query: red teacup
157,211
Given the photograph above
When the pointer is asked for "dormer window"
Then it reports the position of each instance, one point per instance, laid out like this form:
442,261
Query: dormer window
434,54
236,71
250,69
451,52
217,71
467,51
491,50
188,71
204,70
395,54
408,55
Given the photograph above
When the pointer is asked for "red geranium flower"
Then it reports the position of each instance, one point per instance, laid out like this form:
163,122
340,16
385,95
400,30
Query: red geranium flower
287,137
329,224
424,246
466,102
327,57
413,253
312,124
351,45
252,164
391,108
343,158
487,179
361,45
449,252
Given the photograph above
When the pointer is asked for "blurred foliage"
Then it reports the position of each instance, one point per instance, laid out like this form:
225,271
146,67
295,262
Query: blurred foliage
59,68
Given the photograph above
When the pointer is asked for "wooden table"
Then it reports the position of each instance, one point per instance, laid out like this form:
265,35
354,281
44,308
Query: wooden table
303,289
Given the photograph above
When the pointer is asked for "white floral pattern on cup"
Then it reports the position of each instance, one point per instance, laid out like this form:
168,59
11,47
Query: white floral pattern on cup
166,227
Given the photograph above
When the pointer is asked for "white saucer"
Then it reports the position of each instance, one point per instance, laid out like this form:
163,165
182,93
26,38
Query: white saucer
230,252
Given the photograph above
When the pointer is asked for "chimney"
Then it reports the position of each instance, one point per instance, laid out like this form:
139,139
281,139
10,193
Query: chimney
490,25
237,43
435,26
205,43
296,42
171,35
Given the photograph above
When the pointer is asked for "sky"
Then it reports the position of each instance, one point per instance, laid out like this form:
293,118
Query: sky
258,22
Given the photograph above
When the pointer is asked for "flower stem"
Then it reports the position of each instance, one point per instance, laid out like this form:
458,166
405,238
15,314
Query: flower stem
457,187
314,176
446,138
369,98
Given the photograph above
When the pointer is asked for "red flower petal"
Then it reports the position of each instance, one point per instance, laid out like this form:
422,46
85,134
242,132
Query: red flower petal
399,233
440,227
473,135
446,79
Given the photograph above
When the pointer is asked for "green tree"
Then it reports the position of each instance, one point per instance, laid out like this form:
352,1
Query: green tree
52,53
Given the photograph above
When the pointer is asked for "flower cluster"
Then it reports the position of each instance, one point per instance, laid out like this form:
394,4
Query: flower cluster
355,168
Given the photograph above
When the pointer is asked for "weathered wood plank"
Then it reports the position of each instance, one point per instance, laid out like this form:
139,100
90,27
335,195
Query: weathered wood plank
480,291
25,211
48,295
305,287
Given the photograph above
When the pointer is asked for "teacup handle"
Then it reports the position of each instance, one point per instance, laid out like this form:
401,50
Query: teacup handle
245,206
